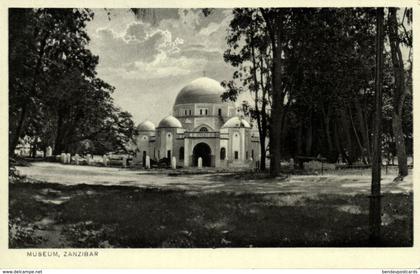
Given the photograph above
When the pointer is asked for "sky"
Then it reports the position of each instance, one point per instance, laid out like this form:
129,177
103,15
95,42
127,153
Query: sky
148,61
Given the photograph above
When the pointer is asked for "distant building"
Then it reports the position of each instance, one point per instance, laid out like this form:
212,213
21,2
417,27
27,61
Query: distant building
202,125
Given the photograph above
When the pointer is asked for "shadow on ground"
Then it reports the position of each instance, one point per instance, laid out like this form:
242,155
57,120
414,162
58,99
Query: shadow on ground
54,215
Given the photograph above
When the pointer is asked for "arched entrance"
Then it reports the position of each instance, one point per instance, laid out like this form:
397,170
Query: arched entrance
202,150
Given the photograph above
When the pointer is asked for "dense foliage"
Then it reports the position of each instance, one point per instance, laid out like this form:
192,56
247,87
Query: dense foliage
312,76
55,97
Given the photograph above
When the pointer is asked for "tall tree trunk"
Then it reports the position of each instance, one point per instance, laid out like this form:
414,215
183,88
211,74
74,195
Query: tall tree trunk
278,96
16,135
348,146
58,143
308,136
338,143
33,148
361,148
262,157
399,144
264,121
263,135
326,120
363,129
399,91
375,198
32,93
299,140
261,128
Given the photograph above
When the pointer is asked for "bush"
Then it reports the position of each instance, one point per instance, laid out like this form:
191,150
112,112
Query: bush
317,165
21,233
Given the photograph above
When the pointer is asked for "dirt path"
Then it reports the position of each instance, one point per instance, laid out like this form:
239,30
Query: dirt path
211,183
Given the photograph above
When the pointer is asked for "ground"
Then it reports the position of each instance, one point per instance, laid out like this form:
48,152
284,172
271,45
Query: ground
80,206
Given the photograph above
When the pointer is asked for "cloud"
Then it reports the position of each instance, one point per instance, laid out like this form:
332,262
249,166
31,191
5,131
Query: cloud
162,66
137,30
146,57
181,33
136,44
174,47
197,53
166,43
189,17
211,28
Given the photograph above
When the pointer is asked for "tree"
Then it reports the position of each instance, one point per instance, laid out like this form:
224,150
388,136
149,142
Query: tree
39,39
400,89
252,60
55,95
274,20
375,202
306,72
263,27
117,135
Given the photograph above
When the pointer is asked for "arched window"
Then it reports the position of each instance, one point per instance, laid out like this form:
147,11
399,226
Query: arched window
204,129
181,153
222,153
220,112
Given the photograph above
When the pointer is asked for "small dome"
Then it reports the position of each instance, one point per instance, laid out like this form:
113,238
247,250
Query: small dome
146,126
201,90
170,122
236,122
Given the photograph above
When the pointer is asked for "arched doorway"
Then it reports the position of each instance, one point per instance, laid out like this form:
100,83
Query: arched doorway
202,150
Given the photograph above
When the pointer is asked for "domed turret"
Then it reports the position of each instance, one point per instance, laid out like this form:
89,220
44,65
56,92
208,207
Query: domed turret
170,122
236,122
146,126
201,90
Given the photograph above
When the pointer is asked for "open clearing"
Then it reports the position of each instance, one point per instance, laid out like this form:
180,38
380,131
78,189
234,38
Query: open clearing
348,184
81,206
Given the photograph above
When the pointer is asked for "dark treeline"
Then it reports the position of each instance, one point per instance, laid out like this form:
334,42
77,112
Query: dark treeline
55,97
311,73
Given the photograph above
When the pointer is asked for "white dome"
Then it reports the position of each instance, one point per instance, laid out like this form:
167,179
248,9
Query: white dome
146,126
170,122
236,122
201,90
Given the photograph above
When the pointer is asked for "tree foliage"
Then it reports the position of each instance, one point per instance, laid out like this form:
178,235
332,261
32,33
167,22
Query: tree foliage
55,96
250,52
319,69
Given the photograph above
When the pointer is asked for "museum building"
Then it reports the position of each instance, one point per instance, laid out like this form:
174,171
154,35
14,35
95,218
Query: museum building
202,125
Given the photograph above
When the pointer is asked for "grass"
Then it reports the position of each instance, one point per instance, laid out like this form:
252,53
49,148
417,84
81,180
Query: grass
121,216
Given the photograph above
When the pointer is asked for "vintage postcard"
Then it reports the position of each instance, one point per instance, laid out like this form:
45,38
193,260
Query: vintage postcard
209,134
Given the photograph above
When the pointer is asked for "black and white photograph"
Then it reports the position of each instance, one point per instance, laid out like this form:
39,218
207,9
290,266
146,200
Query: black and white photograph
243,127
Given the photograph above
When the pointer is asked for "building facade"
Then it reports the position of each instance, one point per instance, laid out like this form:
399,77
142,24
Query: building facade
202,125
